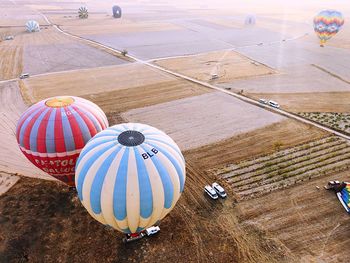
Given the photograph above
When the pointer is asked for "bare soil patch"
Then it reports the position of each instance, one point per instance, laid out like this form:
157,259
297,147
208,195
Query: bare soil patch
11,63
6,182
42,220
310,222
49,51
17,15
227,65
95,81
204,119
118,101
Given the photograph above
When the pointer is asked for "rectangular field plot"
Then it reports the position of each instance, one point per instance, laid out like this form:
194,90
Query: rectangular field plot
288,167
227,65
204,119
48,51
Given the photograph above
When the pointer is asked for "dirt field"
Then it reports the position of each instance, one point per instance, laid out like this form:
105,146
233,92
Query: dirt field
145,95
310,222
228,65
258,176
102,24
310,102
12,161
204,119
259,142
37,212
14,15
11,63
107,85
6,182
48,51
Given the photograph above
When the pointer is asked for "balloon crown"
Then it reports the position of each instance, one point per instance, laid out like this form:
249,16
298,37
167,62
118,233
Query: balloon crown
131,138
59,102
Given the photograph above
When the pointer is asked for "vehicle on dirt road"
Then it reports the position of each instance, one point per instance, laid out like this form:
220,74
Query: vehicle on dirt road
219,190
24,76
211,192
274,104
263,101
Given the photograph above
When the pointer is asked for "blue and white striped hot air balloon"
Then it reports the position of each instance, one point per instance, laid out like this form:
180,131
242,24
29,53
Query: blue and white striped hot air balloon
130,176
32,26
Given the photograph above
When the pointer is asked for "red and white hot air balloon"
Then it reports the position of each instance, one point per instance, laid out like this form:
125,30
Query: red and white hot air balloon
52,132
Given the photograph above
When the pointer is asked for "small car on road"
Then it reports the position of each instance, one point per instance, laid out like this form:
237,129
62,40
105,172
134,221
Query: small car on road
263,101
24,76
274,104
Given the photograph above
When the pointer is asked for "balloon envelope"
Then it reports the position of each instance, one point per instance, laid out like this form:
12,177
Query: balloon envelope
52,132
250,20
130,176
344,197
327,23
32,26
117,11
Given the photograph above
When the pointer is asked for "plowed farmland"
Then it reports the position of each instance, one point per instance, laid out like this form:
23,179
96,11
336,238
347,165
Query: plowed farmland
11,61
311,222
259,142
227,65
204,119
288,167
6,182
115,89
144,95
48,51
37,212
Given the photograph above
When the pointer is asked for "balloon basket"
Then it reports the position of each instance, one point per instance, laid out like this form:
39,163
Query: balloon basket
133,237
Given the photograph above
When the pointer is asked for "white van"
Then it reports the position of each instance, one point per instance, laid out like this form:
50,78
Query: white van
274,104
211,192
219,190
152,230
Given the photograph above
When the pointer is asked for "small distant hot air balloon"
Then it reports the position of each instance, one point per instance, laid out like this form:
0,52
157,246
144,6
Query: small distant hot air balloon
250,20
52,132
117,11
83,12
32,26
130,176
326,24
